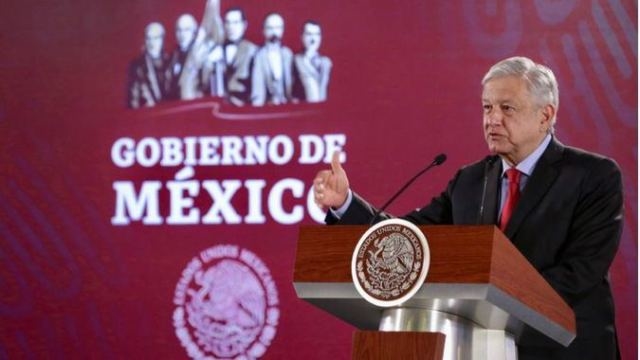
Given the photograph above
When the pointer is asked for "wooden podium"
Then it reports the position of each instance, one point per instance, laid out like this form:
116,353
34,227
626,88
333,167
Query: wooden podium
479,296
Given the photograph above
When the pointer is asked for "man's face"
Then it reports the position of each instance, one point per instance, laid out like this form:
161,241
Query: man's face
185,31
514,125
311,37
153,39
234,26
273,28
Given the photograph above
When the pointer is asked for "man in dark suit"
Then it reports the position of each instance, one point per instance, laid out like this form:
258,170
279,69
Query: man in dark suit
233,71
148,77
311,69
567,220
186,29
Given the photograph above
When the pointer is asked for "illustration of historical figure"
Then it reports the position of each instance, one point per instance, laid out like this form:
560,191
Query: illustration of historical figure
196,80
214,58
148,74
311,71
186,29
231,73
271,75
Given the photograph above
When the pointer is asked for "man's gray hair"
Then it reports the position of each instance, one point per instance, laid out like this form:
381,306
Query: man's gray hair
541,82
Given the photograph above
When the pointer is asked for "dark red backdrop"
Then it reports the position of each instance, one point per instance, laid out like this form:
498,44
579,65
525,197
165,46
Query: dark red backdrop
404,87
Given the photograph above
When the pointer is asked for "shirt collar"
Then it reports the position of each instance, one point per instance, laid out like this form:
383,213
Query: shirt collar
526,166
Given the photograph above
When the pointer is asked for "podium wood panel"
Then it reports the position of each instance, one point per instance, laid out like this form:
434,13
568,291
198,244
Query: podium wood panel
378,345
462,258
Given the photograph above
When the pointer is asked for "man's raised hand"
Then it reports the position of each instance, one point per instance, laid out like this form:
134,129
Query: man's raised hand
331,187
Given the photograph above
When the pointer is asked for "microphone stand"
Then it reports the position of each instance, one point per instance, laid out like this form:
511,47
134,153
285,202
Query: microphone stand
438,160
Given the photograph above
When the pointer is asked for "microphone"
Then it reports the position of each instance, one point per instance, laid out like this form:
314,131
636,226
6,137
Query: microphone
488,164
438,160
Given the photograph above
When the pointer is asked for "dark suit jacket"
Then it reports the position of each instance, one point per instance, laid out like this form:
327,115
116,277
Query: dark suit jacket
567,223
238,74
148,81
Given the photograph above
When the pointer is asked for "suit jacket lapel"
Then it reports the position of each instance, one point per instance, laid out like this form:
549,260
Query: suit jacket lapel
543,176
241,54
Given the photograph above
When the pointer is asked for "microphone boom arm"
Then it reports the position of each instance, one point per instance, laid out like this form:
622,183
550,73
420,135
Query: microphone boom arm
438,160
